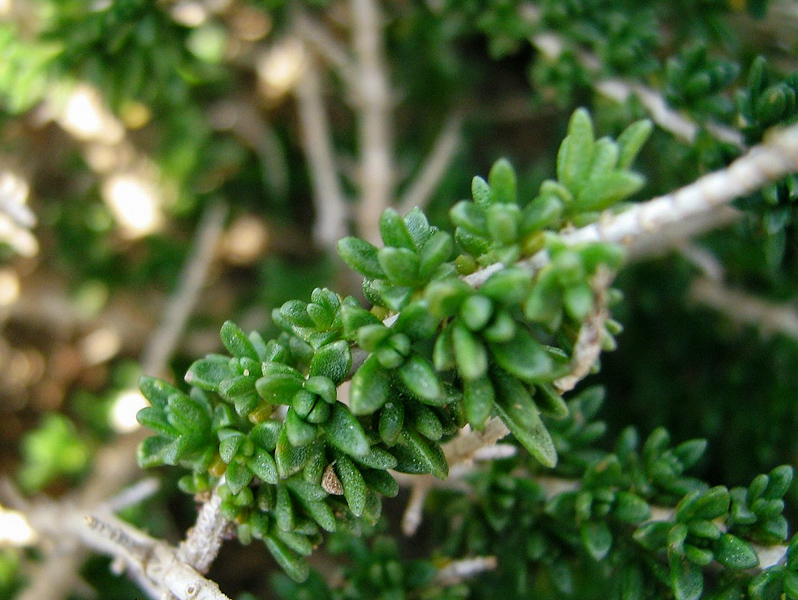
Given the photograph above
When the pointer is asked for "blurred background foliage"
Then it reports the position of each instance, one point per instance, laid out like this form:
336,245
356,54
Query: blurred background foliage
122,121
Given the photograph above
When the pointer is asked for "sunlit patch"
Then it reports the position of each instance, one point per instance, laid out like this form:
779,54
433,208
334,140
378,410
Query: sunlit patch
134,203
280,68
245,241
87,118
100,345
15,529
9,287
6,7
249,24
122,417
190,13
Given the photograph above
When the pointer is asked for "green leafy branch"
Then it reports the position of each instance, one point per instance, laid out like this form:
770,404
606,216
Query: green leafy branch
452,355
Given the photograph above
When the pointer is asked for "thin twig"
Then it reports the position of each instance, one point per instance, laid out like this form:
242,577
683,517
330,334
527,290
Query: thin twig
589,339
155,560
204,540
766,163
115,464
372,100
620,90
331,208
741,307
435,165
465,568
326,46
192,278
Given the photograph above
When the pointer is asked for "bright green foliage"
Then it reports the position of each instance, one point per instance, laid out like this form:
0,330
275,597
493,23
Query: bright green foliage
452,355
51,451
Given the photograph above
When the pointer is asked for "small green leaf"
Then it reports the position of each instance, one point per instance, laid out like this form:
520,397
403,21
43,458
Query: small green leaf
293,564
296,542
355,317
353,483
394,232
470,217
780,480
429,453
734,553
631,141
502,329
392,418
630,508
284,509
361,257
687,580
608,189
266,434
478,397
543,305
576,151
420,379
425,421
596,538
707,505
523,357
435,252
237,342
345,432
262,464
376,458
230,442
480,191
300,432
504,221
290,459
278,388
208,373
578,301
295,312
516,408
370,387
400,265
332,361
381,482
156,390
416,321
605,157
653,535
150,451
508,286
321,513
593,255
543,211
418,227
155,419
470,354
550,402
237,476
187,415
502,182
445,296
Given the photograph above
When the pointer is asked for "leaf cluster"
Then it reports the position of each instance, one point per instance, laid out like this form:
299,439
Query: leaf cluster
267,419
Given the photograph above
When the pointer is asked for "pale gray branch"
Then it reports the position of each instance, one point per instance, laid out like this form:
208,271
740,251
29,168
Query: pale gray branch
435,165
372,98
328,196
204,540
744,308
192,278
